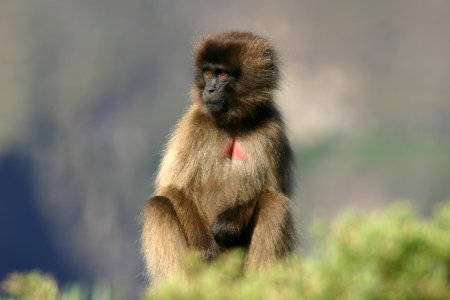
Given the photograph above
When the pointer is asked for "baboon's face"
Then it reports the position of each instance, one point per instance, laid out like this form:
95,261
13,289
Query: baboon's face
235,75
218,81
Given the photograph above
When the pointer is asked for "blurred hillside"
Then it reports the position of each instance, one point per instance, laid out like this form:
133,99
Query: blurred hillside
89,91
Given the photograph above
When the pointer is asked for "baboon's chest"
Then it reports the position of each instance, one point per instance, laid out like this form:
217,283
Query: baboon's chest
234,150
227,178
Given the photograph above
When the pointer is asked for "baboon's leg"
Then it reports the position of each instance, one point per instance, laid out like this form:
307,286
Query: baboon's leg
163,241
273,230
194,226
172,225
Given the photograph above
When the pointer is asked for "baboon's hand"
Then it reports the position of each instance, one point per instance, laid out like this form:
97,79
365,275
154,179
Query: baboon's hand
211,251
226,229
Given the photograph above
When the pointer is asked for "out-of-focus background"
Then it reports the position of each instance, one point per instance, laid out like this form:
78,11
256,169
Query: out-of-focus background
89,91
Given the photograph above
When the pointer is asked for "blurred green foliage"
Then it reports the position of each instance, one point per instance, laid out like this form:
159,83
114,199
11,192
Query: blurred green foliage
36,285
33,285
390,254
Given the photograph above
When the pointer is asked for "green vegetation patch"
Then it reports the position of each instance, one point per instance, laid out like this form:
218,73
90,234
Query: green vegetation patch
390,254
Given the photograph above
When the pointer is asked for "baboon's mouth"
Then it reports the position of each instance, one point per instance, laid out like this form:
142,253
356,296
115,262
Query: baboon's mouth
215,106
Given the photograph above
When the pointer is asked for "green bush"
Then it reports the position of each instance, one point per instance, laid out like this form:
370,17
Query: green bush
39,286
392,254
30,286
385,255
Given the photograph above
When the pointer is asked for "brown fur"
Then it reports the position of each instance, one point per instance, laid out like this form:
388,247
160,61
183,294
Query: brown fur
199,191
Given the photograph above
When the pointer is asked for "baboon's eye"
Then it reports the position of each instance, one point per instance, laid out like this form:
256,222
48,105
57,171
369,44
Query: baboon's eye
207,73
223,74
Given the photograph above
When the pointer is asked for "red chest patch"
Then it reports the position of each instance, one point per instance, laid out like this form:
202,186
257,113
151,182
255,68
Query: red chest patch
234,150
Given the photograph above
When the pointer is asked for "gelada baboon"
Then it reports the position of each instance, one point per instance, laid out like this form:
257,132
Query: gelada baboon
225,177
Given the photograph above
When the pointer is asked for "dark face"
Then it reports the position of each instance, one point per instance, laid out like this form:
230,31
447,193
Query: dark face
218,82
